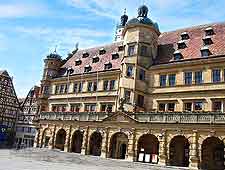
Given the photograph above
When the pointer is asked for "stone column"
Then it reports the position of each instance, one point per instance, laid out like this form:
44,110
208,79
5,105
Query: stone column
163,156
52,139
67,141
104,150
85,141
37,139
194,156
130,149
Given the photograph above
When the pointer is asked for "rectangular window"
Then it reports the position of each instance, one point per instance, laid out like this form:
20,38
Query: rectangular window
172,79
90,107
162,80
112,85
144,50
61,91
75,108
127,96
198,106
131,49
90,84
216,75
217,106
95,86
57,89
171,107
142,75
46,90
80,87
188,107
105,84
140,101
75,88
129,71
162,107
198,77
106,108
188,78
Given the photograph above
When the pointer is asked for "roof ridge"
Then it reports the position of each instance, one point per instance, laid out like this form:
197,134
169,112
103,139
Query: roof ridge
194,27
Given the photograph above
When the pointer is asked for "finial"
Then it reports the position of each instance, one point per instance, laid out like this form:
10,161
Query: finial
55,51
125,11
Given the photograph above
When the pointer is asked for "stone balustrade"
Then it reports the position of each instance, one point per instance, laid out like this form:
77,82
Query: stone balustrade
153,117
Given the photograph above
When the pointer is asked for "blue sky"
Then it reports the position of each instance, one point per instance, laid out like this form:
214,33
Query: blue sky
30,29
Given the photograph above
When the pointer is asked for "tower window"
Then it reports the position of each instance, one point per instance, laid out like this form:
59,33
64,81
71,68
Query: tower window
120,48
209,31
205,51
198,77
188,78
102,51
162,80
108,66
140,101
85,54
87,68
177,55
216,75
142,74
95,59
144,50
131,49
78,62
172,79
115,56
184,36
129,71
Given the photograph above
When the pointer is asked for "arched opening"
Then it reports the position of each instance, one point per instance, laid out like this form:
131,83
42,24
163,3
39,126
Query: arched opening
148,149
95,144
60,139
179,151
45,138
212,154
77,140
118,146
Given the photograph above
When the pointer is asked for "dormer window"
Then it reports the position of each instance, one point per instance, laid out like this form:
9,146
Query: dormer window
115,56
108,66
209,31
181,44
102,51
205,51
87,68
85,54
184,36
78,62
95,59
207,40
120,48
177,55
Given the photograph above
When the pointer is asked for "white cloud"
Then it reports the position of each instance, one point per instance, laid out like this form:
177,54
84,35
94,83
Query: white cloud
18,10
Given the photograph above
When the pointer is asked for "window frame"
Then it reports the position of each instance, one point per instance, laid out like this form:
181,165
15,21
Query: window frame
131,50
215,77
162,80
172,80
197,78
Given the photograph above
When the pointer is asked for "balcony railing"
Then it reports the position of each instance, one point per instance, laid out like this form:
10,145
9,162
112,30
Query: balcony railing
153,117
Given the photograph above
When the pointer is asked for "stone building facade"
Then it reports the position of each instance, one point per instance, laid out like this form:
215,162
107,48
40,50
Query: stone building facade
151,97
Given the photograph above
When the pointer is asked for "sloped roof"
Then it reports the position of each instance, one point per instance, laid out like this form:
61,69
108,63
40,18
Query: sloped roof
99,66
4,72
168,42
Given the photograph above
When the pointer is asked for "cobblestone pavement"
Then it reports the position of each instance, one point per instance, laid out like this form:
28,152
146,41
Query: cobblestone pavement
45,159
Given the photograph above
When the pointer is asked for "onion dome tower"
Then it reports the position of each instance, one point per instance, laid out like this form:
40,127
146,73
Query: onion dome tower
120,27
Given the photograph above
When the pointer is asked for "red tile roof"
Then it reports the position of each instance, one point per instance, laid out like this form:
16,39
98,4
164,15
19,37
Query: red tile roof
103,59
168,42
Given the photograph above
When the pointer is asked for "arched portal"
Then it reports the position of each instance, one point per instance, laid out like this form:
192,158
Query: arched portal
60,139
179,151
95,144
118,146
45,138
212,154
148,149
77,140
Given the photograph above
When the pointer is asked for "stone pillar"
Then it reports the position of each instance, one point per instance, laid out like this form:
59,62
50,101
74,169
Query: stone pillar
52,139
37,139
194,156
67,141
163,155
85,141
104,150
130,149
